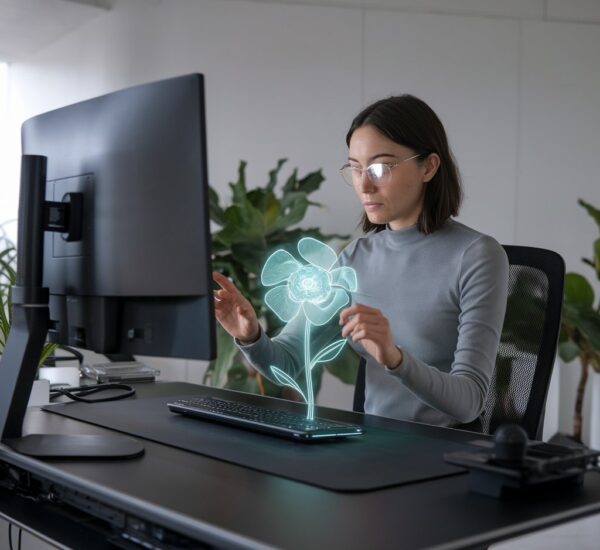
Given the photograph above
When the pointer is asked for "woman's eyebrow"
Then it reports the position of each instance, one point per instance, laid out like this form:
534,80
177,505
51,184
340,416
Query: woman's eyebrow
379,155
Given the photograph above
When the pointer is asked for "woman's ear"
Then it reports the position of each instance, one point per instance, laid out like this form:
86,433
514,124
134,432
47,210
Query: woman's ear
431,164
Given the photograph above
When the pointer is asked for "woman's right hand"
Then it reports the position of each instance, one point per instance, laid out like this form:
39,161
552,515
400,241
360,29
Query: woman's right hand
235,314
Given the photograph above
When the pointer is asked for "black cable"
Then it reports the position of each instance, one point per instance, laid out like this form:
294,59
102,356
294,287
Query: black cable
10,536
20,533
52,360
79,393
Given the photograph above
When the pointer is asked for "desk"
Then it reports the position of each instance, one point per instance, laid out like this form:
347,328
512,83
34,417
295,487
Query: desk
224,505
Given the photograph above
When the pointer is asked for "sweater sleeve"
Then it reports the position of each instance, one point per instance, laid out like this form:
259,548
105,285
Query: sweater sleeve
483,287
286,350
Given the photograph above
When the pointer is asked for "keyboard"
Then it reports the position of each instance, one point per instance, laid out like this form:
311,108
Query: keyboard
263,419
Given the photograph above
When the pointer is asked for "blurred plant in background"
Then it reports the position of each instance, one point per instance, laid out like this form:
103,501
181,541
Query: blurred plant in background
8,278
256,222
580,327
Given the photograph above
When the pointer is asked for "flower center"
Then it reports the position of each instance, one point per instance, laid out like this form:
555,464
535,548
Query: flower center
310,284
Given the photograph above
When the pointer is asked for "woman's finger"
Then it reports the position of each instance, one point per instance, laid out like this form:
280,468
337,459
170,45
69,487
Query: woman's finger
356,309
224,282
363,318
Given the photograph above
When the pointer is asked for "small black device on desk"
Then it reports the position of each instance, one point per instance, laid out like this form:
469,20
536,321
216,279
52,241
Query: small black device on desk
254,417
514,464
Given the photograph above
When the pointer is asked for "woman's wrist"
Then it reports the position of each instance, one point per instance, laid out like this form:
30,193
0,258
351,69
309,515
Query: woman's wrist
396,359
250,340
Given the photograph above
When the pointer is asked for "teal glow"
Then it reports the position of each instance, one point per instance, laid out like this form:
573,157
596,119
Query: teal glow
316,290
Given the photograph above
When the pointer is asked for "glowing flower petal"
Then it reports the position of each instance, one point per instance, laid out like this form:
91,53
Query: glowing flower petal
318,315
278,267
279,301
310,284
344,277
317,253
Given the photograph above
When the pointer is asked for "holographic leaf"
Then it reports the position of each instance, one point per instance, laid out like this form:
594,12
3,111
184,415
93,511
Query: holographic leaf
286,380
328,353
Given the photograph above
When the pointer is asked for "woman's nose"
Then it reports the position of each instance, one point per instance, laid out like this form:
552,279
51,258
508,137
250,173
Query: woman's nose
364,183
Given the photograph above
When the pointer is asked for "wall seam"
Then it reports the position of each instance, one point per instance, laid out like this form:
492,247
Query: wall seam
363,55
519,128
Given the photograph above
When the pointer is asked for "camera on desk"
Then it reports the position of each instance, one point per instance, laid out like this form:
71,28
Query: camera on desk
512,464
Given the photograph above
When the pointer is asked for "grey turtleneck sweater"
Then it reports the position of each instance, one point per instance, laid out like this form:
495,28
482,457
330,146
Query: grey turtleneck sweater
444,295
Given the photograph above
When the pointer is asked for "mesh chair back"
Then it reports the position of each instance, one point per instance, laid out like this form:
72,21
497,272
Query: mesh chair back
527,347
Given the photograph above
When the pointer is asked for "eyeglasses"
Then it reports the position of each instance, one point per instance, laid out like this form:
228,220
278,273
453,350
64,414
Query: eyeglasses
378,173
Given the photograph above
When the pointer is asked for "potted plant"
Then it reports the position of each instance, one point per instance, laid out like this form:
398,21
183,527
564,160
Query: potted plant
255,223
580,326
8,277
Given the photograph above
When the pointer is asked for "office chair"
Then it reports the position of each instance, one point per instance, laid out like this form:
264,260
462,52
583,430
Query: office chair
527,349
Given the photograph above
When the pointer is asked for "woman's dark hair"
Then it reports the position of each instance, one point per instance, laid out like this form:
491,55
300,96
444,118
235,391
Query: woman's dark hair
409,121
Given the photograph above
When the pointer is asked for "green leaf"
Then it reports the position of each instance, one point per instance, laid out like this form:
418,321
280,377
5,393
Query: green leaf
294,208
273,175
311,182
578,290
597,257
585,320
7,265
329,352
257,198
250,254
286,380
272,211
595,361
214,209
46,351
593,212
568,351
239,187
242,224
291,182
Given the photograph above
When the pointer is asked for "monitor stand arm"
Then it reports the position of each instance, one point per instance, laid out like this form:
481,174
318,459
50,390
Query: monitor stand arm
29,328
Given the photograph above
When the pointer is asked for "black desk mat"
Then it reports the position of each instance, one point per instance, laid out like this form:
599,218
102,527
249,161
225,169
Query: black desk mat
377,459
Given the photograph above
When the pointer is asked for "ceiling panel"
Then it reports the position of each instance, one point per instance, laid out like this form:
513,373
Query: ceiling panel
26,26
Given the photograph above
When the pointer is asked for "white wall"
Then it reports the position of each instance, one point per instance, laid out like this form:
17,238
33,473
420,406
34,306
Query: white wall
519,96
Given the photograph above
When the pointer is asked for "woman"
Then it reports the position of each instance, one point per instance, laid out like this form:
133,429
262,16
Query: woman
432,292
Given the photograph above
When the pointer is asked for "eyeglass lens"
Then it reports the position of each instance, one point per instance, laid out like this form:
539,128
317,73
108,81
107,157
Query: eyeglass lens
377,173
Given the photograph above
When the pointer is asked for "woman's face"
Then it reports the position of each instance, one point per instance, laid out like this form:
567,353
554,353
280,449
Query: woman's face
397,200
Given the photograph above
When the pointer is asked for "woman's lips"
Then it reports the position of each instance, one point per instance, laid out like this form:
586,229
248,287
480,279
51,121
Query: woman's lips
372,205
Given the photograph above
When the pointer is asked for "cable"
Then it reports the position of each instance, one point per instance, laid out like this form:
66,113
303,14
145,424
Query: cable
79,393
10,542
52,360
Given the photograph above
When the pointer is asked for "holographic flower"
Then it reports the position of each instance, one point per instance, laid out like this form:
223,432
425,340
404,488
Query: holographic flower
314,287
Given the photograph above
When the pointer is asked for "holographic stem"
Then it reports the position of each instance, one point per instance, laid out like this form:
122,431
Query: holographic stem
310,412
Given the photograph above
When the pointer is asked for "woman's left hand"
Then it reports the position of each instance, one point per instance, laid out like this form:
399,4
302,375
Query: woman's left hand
369,327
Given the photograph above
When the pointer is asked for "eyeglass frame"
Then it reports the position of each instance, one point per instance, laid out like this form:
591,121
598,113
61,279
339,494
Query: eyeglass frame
390,165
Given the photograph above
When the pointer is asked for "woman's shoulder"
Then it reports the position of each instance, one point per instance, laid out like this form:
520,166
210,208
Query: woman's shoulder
467,237
477,248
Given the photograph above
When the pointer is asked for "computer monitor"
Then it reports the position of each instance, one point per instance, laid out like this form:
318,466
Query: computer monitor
124,242
139,280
